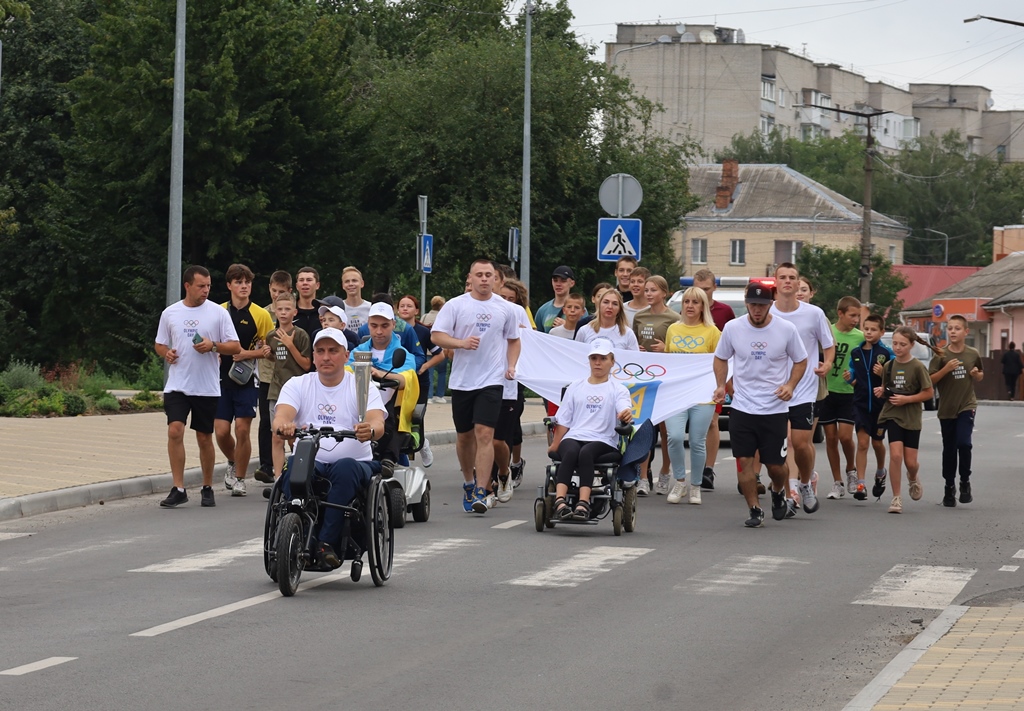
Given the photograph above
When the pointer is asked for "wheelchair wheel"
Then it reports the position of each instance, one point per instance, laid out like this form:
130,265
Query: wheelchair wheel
289,550
538,515
380,546
269,529
421,511
617,520
629,509
397,512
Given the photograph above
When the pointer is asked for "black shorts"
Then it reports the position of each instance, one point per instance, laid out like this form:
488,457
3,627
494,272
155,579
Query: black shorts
866,421
241,402
476,407
508,429
750,434
801,417
837,407
178,405
911,439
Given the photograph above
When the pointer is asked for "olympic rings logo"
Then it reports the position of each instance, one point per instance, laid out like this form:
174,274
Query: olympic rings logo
635,371
758,345
595,399
688,341
191,324
327,409
483,317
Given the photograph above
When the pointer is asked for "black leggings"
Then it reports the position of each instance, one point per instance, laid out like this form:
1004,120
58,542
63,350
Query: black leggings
579,457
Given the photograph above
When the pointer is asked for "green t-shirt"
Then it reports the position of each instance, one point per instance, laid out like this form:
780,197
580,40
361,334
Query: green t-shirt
908,378
845,343
285,365
649,327
956,389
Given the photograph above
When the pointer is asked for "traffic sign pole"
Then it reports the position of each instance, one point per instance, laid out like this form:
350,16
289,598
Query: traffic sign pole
420,255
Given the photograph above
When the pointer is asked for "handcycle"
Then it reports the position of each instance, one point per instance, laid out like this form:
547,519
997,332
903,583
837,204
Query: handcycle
289,536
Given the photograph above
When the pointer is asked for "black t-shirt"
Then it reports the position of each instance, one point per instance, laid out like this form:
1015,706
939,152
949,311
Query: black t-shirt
245,327
309,321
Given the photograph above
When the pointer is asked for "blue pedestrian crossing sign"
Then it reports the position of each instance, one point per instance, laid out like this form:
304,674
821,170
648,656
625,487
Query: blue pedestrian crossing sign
618,237
427,250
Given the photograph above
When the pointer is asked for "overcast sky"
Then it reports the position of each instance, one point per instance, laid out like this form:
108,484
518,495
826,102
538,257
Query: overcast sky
898,41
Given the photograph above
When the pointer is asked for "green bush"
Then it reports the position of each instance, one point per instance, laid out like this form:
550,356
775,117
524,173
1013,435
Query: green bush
20,375
151,374
74,404
108,403
5,393
18,404
52,404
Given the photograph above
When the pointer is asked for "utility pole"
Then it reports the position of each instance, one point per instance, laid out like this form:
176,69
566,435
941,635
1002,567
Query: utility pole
865,230
524,244
177,159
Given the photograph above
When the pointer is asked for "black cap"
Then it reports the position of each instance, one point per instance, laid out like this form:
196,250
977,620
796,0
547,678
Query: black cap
331,300
564,272
757,293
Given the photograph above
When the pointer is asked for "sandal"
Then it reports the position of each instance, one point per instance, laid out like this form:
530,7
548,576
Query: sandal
562,510
582,512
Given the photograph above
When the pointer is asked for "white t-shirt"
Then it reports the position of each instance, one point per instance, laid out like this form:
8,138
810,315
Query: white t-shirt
562,332
630,312
194,373
591,411
623,341
358,316
816,334
510,388
317,405
494,323
762,359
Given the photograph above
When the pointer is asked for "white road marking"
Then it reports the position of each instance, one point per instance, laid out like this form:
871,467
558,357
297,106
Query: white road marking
4,536
210,560
737,574
87,549
413,555
581,567
36,666
1019,554
929,587
509,524
1009,569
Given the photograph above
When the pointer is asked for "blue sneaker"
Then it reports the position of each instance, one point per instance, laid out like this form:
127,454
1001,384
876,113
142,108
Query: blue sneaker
481,500
467,499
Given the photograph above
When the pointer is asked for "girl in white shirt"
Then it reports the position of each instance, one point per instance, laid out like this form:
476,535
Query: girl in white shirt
610,324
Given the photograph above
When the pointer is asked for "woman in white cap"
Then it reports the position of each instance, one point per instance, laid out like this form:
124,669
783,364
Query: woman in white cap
590,410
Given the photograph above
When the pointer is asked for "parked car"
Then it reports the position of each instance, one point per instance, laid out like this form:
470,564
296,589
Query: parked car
923,354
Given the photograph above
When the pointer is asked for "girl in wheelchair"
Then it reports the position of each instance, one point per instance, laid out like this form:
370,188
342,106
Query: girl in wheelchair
585,429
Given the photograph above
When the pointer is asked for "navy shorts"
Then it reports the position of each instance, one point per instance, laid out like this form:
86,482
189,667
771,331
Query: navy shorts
241,402
867,421
178,405
837,407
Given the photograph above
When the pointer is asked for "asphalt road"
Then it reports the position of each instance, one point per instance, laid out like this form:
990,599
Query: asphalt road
693,611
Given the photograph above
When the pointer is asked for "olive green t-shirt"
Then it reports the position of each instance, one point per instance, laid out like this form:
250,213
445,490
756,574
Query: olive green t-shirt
908,378
956,389
285,365
649,327
845,343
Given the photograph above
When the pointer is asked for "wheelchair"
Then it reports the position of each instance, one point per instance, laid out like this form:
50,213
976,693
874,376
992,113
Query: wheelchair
413,493
289,535
609,495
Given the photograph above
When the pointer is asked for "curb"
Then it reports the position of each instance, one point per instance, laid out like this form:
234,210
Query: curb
89,494
901,664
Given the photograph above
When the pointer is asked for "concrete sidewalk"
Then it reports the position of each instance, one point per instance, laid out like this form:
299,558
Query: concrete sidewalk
65,462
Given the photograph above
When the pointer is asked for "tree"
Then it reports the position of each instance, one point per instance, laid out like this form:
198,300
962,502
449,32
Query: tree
834,274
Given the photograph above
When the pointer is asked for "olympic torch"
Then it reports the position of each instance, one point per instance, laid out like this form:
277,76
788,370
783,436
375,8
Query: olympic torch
363,369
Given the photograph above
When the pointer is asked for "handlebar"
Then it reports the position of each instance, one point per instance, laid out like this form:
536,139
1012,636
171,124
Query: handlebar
387,383
319,433
623,429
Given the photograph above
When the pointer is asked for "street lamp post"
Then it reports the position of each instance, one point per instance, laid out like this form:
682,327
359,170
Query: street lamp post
814,227
946,260
664,39
524,230
177,160
994,19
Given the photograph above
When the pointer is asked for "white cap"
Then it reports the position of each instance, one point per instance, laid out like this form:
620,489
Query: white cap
381,309
334,334
600,346
336,310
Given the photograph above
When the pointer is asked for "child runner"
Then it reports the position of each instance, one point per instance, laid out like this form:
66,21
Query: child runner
864,373
574,310
637,280
905,385
836,412
290,351
954,373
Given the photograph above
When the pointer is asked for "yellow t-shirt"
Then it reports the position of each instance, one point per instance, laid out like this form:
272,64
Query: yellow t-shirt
681,338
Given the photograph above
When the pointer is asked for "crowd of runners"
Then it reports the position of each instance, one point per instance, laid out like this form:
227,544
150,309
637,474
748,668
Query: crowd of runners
781,367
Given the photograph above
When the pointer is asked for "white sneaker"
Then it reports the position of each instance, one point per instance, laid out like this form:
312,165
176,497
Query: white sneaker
643,488
229,477
426,456
695,495
435,400
678,491
851,481
505,489
440,401
661,486
490,501
838,490
238,488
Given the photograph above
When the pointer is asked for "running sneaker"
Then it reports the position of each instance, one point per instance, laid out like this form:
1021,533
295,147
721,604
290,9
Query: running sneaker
851,481
695,495
790,508
480,502
505,489
678,491
230,476
176,497
896,506
965,492
879,488
949,497
838,490
756,519
779,506
467,497
206,497
708,483
643,488
861,492
264,474
517,472
760,486
916,490
808,499
662,485
814,481
239,488
426,455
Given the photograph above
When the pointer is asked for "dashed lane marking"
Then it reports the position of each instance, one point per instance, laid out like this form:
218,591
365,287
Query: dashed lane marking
1019,554
210,560
5,536
509,524
1009,569
739,574
929,587
581,568
36,666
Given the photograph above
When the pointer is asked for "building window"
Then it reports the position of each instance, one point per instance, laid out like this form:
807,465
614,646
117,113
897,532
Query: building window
767,125
782,98
767,90
892,253
1001,153
787,250
738,252
699,251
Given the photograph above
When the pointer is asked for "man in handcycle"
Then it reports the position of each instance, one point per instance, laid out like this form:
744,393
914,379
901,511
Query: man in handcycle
327,398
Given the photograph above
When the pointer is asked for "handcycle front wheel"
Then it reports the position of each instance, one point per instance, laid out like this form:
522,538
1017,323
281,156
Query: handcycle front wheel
380,548
269,531
289,553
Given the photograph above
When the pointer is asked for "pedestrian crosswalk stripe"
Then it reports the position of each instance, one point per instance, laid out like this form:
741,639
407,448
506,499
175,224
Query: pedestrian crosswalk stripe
509,524
929,587
1019,554
580,568
5,536
210,560
429,550
1009,569
738,573
36,666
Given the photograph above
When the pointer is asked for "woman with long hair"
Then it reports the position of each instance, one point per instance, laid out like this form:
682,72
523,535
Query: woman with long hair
610,323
